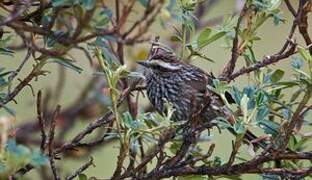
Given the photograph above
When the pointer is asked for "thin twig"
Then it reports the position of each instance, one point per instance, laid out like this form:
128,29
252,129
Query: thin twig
20,67
302,18
81,169
41,122
19,9
235,148
291,8
106,119
244,167
266,61
196,159
51,142
230,66
34,73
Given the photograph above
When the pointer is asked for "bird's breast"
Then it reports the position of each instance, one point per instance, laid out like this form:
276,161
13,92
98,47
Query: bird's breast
171,90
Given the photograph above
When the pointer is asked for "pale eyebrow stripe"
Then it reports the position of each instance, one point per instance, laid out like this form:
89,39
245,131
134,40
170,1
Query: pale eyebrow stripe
164,65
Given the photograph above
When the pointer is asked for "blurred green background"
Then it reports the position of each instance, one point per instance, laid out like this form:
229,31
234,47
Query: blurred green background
273,37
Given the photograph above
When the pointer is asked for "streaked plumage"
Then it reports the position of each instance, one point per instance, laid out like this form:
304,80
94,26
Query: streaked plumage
183,85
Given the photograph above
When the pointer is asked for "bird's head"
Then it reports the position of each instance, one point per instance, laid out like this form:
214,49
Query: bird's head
162,61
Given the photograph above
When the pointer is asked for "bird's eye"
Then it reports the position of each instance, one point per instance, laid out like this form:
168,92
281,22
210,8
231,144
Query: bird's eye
158,67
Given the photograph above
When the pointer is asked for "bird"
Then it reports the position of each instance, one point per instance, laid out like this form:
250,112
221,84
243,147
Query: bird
185,87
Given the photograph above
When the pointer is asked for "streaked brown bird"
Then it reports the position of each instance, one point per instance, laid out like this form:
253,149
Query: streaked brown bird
185,87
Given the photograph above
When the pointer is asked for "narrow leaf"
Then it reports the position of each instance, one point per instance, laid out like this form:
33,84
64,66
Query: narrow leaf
277,75
203,37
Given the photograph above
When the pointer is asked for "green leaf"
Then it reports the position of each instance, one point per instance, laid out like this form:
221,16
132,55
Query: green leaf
239,127
199,54
51,40
302,73
188,5
308,58
292,142
206,38
18,151
305,54
274,4
261,18
270,177
67,63
217,161
300,144
250,92
277,17
297,62
6,51
287,84
261,98
277,75
203,37
231,177
215,37
262,113
4,42
295,95
129,122
82,177
236,95
286,113
269,127
38,159
9,110
175,38
45,21
222,123
88,4
249,56
58,3
101,18
175,146
144,2
220,86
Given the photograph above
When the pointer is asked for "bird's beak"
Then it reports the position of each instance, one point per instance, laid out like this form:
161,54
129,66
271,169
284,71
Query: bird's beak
144,63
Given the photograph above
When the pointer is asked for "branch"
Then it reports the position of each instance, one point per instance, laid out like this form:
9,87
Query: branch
283,172
245,167
304,8
106,119
81,169
228,74
266,61
230,66
291,8
15,73
41,122
296,118
63,40
51,153
36,71
19,8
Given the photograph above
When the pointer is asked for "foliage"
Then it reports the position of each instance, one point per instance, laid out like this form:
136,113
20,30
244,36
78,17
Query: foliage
150,144
13,157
